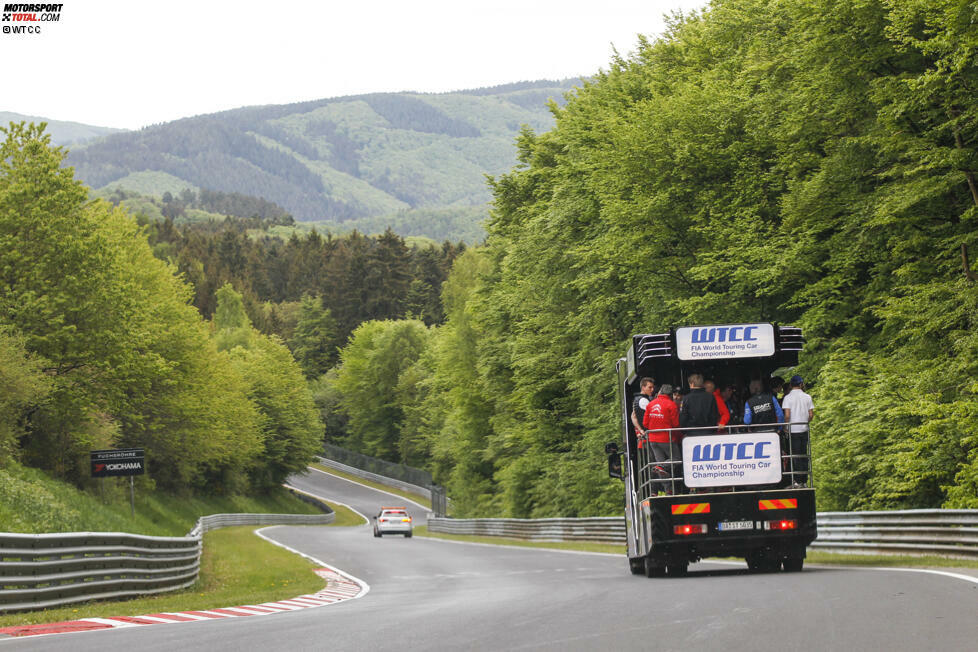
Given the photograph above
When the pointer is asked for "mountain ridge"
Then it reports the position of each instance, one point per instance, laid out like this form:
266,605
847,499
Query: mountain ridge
339,161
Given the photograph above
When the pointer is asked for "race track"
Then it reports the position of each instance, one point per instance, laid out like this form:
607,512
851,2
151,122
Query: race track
427,594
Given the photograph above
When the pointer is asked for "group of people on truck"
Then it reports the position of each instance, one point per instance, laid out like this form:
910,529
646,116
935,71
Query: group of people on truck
655,415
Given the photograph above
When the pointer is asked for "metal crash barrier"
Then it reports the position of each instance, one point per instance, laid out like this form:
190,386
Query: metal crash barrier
38,571
938,532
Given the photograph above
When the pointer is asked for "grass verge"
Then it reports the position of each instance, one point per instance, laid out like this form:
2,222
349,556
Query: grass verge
814,556
615,549
421,500
237,568
33,502
345,517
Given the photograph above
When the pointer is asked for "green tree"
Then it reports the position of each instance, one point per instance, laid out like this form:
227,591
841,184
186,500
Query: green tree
370,369
313,342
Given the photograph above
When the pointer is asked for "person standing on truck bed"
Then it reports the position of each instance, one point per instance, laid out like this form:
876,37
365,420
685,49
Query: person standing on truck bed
711,388
639,403
761,407
798,412
660,417
699,408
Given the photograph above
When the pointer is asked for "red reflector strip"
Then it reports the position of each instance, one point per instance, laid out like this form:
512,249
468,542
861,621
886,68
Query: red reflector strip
691,508
778,503
689,528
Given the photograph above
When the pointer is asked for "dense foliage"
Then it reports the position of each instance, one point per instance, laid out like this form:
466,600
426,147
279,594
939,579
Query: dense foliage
797,162
101,347
356,277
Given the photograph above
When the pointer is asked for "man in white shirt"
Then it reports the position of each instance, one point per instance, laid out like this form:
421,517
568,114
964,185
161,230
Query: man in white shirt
798,410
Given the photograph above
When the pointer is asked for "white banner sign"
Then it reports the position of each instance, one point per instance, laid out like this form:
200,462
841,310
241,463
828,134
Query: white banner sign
730,341
728,460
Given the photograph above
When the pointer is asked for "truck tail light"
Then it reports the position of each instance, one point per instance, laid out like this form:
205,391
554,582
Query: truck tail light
689,528
783,524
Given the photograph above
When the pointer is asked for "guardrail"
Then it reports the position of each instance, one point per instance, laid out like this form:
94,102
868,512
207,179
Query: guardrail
367,475
940,532
38,571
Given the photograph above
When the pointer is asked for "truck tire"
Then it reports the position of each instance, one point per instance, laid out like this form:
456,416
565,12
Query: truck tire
652,569
637,566
793,564
678,570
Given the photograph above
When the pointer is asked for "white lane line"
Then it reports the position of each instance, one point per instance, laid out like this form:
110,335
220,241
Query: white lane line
957,576
364,587
398,496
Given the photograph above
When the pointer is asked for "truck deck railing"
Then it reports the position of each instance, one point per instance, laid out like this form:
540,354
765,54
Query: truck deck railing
667,476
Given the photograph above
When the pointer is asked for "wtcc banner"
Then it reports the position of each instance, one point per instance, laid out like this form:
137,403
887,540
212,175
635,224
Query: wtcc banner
731,460
730,341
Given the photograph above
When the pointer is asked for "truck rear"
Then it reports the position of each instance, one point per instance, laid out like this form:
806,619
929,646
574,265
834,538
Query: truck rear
733,491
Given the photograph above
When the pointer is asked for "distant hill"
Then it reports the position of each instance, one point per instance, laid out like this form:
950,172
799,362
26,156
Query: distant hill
364,161
62,133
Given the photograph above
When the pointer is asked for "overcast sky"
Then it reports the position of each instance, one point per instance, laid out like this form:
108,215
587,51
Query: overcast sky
129,64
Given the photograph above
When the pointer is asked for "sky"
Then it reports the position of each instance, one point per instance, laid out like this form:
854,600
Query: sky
131,64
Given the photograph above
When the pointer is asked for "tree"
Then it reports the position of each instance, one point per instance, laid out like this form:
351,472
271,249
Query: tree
314,343
367,379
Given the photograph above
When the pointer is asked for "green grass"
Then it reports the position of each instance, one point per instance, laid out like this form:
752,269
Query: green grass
821,557
33,502
345,517
421,500
237,568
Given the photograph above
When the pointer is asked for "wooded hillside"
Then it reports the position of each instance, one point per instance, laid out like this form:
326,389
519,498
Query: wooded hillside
336,161
808,163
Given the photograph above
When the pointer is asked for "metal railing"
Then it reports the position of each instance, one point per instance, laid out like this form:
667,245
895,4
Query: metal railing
667,476
38,571
939,532
602,529
403,472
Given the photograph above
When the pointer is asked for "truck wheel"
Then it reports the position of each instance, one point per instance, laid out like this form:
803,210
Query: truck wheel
793,565
678,570
637,566
653,570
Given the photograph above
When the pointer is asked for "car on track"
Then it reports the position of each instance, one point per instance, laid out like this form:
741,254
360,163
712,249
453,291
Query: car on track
392,520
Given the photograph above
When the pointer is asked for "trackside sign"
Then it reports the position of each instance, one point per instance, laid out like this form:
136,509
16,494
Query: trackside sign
730,341
124,461
731,460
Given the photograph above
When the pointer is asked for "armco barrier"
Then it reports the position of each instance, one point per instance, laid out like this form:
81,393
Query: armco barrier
367,475
940,532
47,570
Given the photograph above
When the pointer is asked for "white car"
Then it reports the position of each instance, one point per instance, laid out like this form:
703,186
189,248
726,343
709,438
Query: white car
392,520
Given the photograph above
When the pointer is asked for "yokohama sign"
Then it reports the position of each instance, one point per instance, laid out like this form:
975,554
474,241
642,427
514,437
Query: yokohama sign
124,461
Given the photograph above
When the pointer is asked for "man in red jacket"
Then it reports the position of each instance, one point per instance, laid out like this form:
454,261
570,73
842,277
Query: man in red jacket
661,415
711,388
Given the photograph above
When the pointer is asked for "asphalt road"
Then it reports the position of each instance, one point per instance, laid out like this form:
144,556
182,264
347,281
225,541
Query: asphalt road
427,594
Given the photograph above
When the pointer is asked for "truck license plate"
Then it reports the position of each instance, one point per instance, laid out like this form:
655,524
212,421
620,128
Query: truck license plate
736,525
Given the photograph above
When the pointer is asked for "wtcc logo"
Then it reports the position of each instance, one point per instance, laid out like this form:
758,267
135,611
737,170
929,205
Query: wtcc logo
27,15
745,450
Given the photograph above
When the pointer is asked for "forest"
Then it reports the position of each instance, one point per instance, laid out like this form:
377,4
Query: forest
807,163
